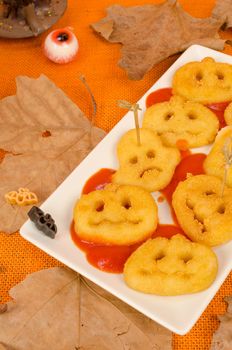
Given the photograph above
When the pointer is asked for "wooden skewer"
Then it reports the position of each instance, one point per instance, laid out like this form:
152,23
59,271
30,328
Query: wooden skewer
134,108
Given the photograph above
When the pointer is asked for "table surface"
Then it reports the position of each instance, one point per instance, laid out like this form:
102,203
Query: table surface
97,60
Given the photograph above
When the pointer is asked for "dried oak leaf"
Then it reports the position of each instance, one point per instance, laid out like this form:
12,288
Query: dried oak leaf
223,10
46,136
43,314
119,325
3,308
151,33
58,309
222,338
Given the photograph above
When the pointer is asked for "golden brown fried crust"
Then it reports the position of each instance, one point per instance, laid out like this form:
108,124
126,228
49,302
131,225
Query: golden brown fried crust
171,267
214,163
228,114
206,81
202,212
119,215
145,165
178,119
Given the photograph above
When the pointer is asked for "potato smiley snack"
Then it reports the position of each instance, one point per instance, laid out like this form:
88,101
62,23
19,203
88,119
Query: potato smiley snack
145,165
178,119
206,81
119,215
215,161
171,267
202,211
228,114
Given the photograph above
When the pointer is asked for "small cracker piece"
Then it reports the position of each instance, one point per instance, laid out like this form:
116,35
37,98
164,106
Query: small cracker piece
22,197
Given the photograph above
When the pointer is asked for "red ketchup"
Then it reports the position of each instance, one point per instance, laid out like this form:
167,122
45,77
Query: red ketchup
158,96
219,109
110,258
162,95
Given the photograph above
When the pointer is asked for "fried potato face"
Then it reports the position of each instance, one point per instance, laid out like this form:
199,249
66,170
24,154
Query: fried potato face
177,120
119,215
202,212
171,267
206,81
228,114
214,163
145,165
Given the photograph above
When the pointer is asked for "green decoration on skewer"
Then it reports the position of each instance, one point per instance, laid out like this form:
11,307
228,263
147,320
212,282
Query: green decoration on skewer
134,108
227,152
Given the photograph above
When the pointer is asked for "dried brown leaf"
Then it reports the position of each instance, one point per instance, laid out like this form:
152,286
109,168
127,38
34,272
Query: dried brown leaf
46,136
151,33
3,308
120,326
55,304
222,338
223,10
2,347
44,313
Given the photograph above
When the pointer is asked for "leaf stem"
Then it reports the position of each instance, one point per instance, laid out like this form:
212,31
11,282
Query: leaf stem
94,104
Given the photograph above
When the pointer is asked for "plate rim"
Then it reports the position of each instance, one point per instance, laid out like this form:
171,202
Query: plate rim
30,233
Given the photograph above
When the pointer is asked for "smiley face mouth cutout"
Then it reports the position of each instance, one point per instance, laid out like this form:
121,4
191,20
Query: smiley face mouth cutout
196,217
149,171
107,221
199,219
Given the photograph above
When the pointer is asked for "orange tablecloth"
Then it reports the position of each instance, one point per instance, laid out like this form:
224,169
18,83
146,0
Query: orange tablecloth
97,60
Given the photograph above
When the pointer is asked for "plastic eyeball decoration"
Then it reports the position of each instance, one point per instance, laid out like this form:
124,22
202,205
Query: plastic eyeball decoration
61,46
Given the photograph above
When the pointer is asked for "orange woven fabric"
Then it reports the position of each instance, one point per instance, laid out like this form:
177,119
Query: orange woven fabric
97,60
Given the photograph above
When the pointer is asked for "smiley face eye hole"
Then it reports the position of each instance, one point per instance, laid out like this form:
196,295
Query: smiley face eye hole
100,206
134,160
219,75
199,76
150,154
221,209
168,116
159,256
191,116
209,193
189,204
126,203
186,258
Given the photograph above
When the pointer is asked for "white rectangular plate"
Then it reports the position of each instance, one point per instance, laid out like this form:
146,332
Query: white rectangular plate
177,313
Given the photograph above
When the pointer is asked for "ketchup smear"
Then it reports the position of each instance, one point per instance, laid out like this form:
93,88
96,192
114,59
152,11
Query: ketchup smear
157,96
111,258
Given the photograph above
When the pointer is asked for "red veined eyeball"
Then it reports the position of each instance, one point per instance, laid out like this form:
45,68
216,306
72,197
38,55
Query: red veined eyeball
61,46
